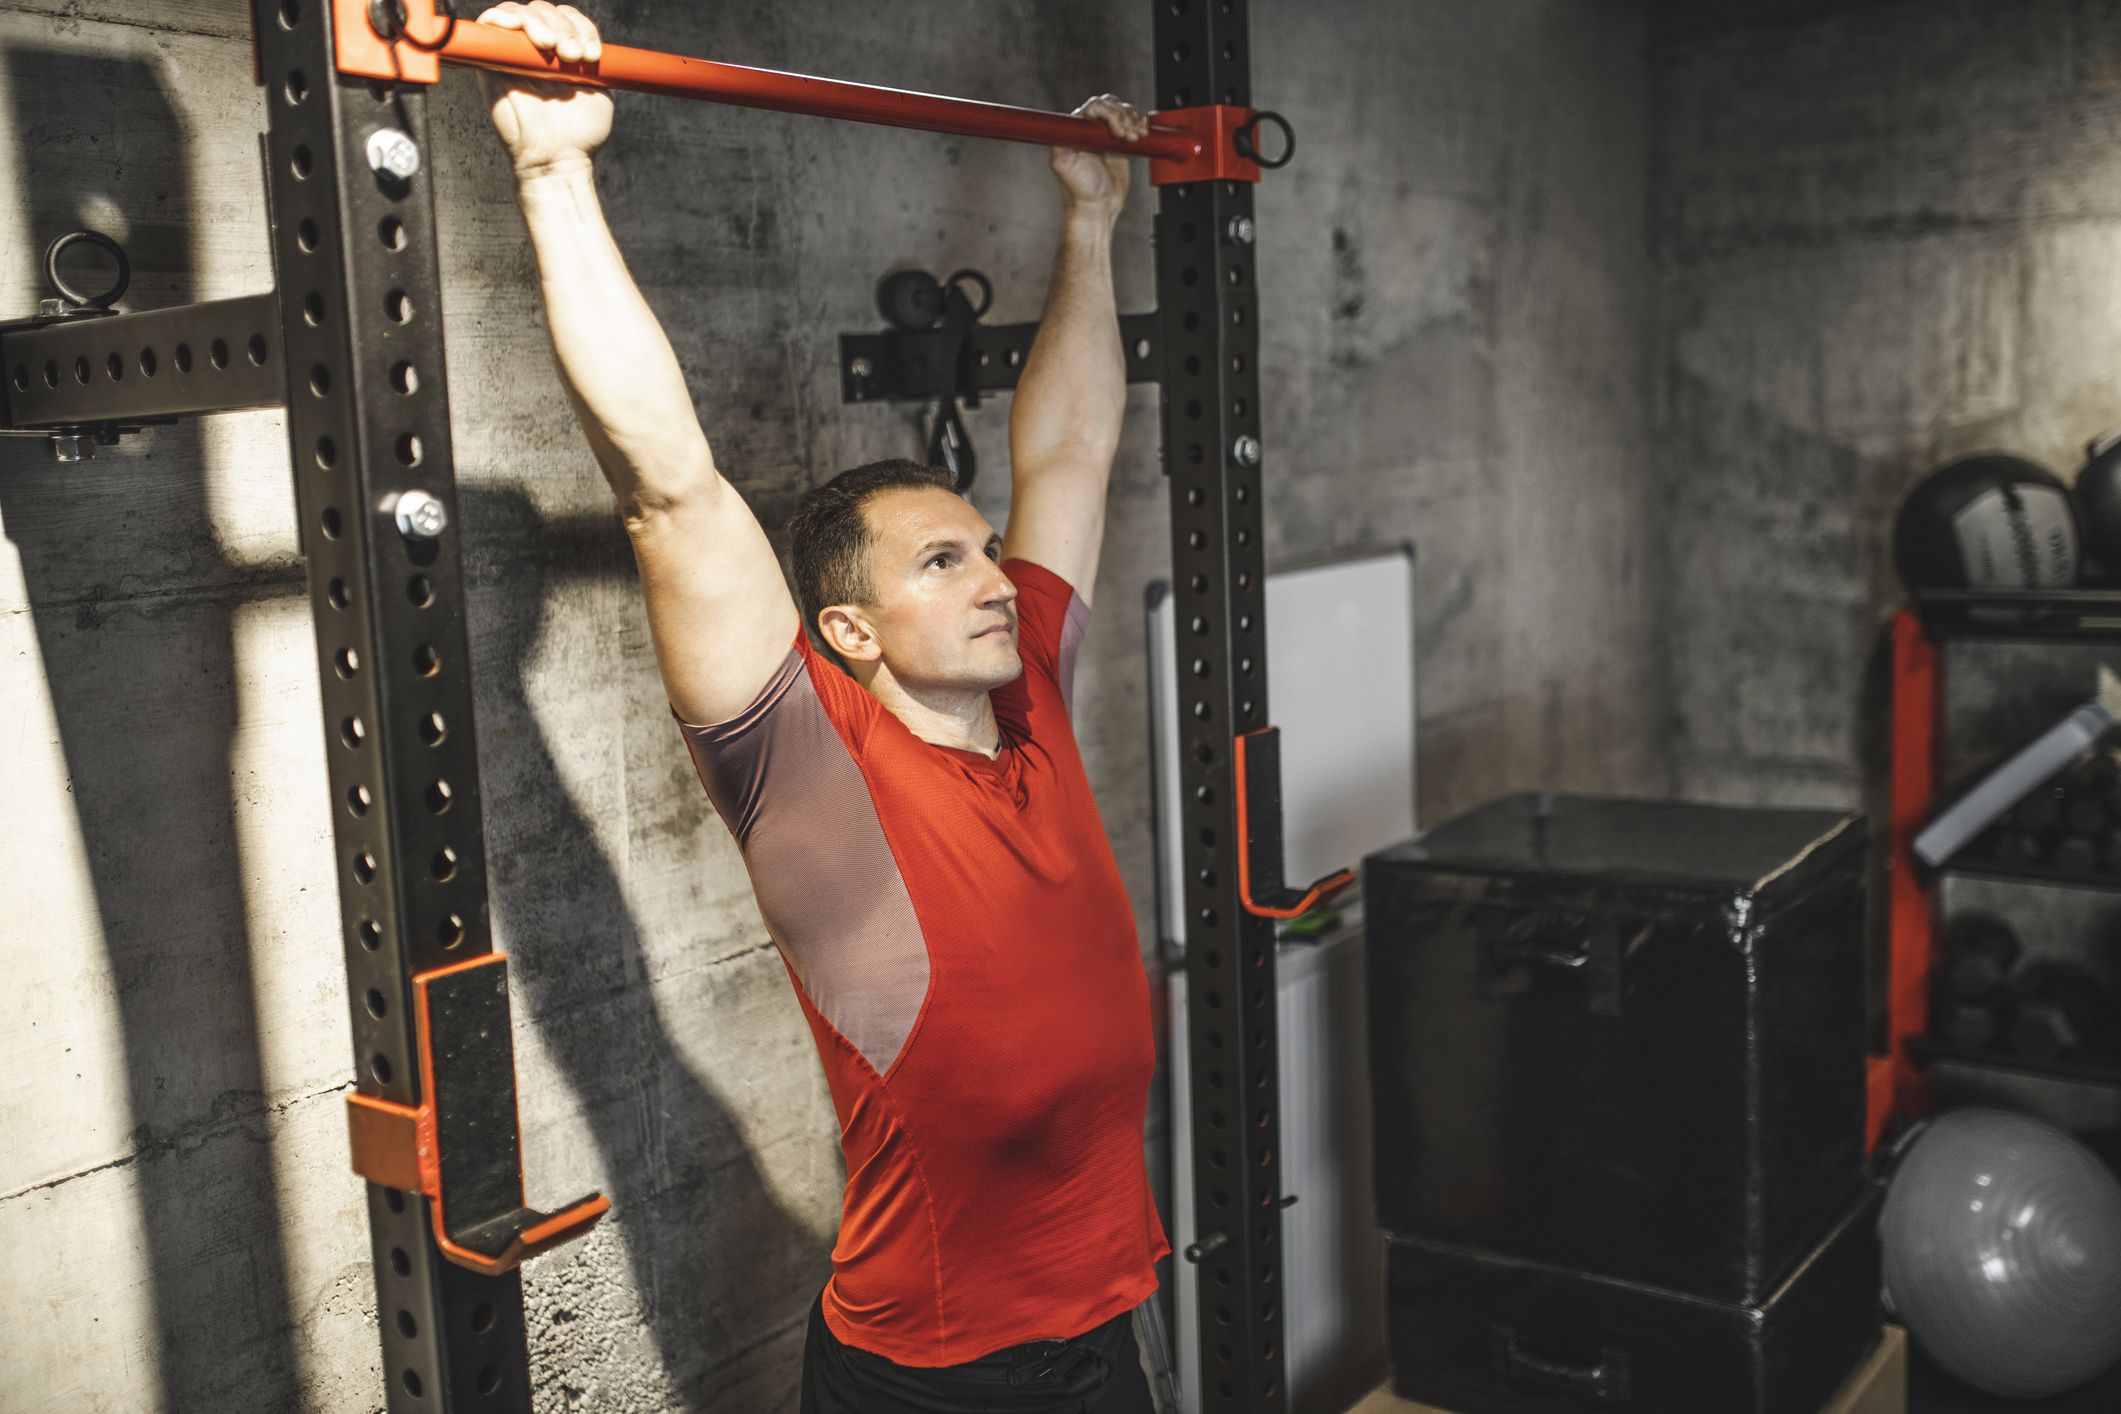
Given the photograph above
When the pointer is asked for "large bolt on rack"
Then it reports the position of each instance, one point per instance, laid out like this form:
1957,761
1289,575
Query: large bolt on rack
350,343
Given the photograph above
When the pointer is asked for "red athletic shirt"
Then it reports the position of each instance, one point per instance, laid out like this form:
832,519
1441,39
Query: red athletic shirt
963,947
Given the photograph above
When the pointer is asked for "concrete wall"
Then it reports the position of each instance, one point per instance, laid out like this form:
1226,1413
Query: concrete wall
1887,233
1455,274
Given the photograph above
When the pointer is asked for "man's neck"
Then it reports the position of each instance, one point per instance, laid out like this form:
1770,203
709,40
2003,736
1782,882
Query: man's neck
957,719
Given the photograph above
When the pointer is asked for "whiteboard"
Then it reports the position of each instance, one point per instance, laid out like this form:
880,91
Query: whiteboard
1340,685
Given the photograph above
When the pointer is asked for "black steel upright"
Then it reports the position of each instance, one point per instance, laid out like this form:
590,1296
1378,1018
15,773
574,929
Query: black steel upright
368,422
1211,442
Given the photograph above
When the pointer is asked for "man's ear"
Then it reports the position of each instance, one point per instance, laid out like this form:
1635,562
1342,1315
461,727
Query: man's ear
849,634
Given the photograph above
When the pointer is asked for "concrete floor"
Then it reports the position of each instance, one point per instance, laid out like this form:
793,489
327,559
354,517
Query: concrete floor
1878,1387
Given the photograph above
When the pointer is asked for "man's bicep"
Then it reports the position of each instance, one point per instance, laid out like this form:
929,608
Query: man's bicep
1057,520
718,607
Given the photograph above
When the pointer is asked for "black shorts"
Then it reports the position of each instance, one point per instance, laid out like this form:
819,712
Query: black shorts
1097,1372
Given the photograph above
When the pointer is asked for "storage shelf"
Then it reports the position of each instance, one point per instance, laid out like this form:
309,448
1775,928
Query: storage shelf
2031,874
1927,1049
2088,615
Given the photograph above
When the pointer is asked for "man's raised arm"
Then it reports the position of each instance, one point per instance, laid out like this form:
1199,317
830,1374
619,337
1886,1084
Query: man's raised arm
718,608
1064,422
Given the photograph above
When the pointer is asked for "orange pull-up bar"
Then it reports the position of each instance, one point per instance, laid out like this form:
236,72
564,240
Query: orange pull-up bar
1183,145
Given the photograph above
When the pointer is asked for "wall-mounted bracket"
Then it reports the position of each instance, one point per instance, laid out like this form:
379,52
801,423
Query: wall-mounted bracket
938,350
900,366
459,1147
117,369
82,374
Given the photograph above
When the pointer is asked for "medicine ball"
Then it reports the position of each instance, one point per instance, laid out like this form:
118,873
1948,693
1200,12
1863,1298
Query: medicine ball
1987,522
2099,499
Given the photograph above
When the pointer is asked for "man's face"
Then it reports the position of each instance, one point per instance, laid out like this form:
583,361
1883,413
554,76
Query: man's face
942,613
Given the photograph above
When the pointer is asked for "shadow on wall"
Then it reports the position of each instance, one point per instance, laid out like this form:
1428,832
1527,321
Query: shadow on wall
132,599
718,1264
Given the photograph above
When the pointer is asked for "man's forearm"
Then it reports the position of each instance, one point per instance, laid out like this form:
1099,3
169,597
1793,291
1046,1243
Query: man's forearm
614,358
1073,392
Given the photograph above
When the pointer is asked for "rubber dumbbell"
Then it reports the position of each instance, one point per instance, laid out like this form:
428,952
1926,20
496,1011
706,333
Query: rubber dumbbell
2084,811
2040,811
1970,1026
2075,854
1979,953
2061,1010
2014,846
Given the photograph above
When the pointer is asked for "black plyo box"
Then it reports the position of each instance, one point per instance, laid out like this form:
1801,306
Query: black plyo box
1620,1036
1490,1335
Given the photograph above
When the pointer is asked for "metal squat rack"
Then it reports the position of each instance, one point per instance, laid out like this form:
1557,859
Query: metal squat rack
350,344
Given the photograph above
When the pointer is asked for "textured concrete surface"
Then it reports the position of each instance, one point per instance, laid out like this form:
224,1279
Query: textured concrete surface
1877,1386
1456,275
1887,233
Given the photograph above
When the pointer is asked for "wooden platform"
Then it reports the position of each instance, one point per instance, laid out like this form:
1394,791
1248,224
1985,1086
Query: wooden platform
1879,1386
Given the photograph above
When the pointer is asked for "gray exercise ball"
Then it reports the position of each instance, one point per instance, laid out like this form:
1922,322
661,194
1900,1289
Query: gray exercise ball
2002,1245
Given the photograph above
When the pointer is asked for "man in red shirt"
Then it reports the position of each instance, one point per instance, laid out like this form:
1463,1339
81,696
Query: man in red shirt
903,781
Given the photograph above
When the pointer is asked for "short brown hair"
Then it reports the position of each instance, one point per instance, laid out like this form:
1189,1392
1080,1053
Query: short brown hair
829,539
